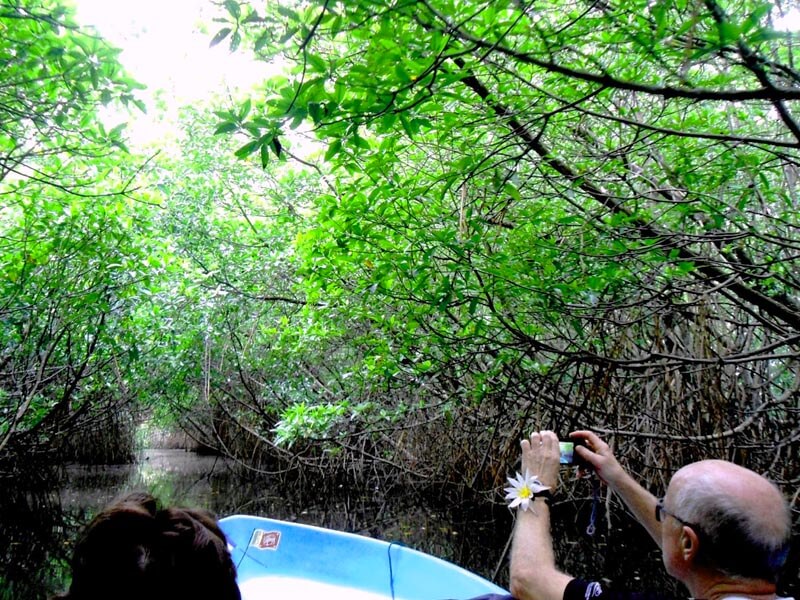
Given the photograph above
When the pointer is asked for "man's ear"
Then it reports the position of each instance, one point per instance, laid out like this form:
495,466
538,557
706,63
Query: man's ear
690,544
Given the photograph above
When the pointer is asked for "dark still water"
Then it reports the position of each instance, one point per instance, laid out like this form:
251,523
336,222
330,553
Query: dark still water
39,523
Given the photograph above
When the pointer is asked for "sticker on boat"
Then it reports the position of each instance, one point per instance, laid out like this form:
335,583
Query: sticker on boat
265,540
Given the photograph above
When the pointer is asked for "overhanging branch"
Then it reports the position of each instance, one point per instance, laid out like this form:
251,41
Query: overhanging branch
781,311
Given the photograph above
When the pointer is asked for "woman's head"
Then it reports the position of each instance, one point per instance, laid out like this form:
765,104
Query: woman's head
134,549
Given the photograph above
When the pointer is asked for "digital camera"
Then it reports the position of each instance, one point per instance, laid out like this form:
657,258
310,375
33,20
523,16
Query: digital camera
567,454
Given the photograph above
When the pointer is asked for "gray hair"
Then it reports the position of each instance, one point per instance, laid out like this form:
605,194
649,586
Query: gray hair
735,539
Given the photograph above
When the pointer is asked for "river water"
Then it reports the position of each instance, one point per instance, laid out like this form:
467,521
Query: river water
38,525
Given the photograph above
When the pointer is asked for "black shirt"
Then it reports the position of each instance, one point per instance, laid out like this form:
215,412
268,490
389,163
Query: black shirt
579,589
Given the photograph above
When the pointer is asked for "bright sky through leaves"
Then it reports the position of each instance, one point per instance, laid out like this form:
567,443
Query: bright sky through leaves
166,47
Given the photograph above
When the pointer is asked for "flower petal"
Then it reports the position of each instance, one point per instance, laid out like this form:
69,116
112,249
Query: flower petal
522,490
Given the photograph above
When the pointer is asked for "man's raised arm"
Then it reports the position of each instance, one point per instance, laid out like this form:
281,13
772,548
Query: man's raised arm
640,502
533,571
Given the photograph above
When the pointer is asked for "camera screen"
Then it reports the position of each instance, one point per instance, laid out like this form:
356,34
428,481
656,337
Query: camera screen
566,453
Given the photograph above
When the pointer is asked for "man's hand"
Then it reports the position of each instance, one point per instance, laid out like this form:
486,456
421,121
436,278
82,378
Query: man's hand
540,457
640,501
597,453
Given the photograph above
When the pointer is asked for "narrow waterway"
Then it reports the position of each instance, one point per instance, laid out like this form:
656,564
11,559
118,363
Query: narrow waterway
38,525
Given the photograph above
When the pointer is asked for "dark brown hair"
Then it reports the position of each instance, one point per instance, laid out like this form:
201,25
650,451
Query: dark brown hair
133,549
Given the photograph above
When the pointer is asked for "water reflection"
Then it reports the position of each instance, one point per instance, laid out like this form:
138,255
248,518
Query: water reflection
38,523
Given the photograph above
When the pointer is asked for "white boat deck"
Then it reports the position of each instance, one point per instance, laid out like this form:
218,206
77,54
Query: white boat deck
271,587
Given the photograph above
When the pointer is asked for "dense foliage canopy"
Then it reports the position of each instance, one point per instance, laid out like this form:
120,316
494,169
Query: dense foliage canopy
73,251
580,213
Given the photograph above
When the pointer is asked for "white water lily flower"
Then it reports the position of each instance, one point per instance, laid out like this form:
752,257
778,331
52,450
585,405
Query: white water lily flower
523,490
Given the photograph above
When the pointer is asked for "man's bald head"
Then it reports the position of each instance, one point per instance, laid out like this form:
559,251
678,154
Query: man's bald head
745,520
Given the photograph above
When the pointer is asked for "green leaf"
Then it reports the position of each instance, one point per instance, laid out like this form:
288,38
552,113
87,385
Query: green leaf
318,64
264,156
233,8
755,17
770,35
728,33
407,125
659,13
227,127
288,34
359,142
315,111
512,191
248,149
401,73
244,109
252,17
334,148
288,12
236,40
221,35
261,41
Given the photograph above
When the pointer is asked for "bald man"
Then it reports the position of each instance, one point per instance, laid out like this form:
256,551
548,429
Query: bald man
723,530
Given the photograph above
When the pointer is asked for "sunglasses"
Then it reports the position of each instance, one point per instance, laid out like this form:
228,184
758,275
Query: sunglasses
661,511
